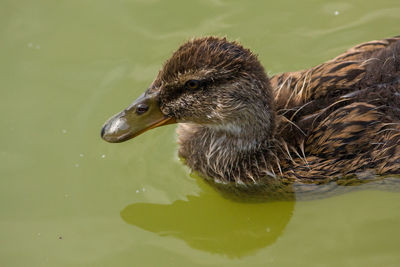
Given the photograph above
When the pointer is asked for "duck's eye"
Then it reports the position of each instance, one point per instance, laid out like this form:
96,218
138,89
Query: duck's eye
192,84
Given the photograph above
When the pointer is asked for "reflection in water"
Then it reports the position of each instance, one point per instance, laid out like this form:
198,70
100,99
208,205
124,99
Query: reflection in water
211,223
215,224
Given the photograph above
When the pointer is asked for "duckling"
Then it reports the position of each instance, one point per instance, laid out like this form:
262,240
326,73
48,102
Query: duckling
239,127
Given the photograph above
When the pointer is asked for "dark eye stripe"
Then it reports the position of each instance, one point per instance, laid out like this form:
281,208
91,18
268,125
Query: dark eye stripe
171,92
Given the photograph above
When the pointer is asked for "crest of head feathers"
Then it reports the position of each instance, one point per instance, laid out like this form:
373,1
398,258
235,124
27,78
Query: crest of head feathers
213,55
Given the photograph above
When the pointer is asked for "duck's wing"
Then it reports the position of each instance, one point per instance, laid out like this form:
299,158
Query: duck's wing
348,104
365,65
353,139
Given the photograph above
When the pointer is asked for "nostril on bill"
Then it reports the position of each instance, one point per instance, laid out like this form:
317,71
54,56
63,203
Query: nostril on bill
141,108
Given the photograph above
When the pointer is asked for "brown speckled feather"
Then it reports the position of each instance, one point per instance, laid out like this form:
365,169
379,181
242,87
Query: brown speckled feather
349,109
363,65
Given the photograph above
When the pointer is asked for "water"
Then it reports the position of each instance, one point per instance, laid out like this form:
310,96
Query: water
67,198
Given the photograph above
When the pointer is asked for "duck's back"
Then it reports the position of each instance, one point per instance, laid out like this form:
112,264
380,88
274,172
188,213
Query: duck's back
370,64
343,115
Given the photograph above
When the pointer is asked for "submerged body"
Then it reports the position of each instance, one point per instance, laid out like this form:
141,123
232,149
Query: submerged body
242,130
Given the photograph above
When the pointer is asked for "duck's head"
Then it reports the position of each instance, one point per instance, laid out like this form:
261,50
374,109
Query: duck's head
208,81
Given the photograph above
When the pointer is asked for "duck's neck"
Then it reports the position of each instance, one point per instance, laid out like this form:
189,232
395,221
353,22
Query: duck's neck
228,153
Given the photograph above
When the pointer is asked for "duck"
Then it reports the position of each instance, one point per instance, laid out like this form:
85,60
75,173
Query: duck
242,130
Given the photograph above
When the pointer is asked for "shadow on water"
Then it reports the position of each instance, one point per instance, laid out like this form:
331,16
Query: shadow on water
220,225
214,224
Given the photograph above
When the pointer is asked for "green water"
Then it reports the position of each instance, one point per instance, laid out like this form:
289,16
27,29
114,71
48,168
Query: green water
67,198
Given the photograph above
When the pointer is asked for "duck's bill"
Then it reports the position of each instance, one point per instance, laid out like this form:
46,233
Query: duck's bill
144,114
